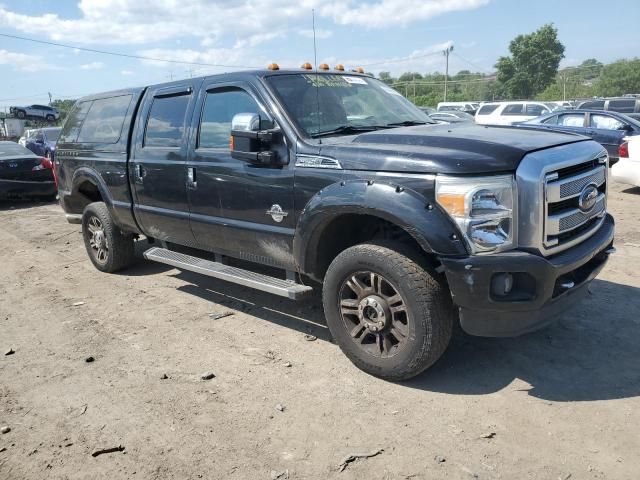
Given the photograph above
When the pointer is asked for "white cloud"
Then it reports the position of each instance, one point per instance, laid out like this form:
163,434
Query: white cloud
92,66
320,33
126,72
148,21
24,62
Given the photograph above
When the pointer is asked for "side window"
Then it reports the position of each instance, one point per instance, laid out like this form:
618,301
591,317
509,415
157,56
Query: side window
624,106
219,108
74,122
103,123
552,120
487,109
40,137
594,105
571,120
534,109
514,109
165,124
605,122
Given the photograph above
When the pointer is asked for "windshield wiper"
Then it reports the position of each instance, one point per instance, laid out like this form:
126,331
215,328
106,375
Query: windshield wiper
347,129
408,123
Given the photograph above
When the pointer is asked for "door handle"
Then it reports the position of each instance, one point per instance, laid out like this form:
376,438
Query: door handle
192,181
139,173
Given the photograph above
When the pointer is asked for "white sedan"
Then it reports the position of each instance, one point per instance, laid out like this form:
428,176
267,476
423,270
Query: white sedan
627,169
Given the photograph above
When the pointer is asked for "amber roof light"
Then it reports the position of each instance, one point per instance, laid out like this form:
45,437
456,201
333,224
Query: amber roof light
273,66
360,70
306,66
324,66
339,67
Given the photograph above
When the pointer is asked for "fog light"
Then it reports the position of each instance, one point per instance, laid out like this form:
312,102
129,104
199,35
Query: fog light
501,284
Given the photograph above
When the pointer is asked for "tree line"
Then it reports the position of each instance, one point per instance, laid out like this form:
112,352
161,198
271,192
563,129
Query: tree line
531,71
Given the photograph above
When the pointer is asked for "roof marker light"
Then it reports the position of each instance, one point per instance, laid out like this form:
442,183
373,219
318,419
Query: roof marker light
339,67
273,66
323,66
306,66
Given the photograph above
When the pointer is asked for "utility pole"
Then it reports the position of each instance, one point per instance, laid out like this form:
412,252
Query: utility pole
564,86
50,98
446,53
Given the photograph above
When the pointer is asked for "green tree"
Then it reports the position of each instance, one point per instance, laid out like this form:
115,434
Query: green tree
618,78
386,77
533,63
64,106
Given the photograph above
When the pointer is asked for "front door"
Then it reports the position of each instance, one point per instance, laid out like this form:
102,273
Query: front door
237,208
158,163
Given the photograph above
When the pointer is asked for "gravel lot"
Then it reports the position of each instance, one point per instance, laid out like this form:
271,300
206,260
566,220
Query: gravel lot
557,404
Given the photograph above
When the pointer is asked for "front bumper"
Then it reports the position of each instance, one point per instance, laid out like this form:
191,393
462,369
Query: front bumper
21,188
542,287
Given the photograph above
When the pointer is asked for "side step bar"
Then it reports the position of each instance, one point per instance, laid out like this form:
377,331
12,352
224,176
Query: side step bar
277,286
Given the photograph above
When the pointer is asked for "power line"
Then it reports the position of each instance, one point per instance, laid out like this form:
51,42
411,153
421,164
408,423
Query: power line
119,54
470,63
399,60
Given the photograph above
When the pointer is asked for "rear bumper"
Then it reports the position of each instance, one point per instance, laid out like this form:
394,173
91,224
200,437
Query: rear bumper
21,188
542,287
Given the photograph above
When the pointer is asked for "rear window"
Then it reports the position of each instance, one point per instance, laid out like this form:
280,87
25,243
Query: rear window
487,109
103,123
605,122
165,124
515,109
624,106
11,149
74,122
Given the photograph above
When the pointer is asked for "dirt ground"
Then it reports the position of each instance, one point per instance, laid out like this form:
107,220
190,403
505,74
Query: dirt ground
556,404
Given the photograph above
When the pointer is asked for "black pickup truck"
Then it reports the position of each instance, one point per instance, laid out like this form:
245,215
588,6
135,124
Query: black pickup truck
291,180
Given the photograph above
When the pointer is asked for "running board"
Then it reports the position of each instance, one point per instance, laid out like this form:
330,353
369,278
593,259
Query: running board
277,286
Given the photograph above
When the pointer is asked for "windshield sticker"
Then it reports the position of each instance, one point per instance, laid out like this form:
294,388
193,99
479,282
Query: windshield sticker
391,91
356,80
326,81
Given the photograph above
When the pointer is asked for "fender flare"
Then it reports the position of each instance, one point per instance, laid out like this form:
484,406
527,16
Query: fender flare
83,174
421,218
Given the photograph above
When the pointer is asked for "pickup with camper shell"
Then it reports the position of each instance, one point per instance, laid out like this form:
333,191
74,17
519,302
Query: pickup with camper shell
289,181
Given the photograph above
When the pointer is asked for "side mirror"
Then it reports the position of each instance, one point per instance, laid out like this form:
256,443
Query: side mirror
627,128
249,142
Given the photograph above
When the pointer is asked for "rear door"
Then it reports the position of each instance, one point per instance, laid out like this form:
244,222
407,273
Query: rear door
607,131
158,162
511,113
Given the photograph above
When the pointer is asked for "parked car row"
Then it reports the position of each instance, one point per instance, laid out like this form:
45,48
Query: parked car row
607,128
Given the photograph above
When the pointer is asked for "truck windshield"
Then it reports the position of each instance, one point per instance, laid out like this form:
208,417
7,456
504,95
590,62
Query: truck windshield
343,104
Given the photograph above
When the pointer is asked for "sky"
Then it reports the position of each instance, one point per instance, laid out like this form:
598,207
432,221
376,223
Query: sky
228,35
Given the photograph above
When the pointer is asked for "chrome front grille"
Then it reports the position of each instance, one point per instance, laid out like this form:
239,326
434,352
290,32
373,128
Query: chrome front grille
551,215
564,216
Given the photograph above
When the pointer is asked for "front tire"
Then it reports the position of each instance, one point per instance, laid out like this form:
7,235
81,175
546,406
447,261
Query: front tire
21,114
50,118
388,314
109,249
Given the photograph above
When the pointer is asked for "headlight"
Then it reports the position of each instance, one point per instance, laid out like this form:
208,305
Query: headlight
483,208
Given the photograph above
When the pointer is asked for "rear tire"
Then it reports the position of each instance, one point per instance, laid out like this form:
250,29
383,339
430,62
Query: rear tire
387,313
108,247
21,114
50,118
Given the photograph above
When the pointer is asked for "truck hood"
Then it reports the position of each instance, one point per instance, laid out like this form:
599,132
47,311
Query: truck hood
453,149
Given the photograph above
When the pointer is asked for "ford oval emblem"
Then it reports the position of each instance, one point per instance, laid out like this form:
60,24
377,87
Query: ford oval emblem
587,198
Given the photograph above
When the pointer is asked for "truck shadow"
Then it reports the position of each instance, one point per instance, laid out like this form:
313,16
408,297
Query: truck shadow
590,354
634,190
304,316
